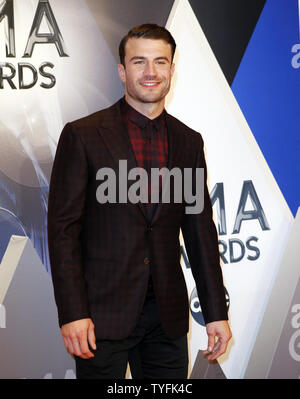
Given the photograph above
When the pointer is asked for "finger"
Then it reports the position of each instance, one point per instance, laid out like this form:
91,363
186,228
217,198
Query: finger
92,337
84,347
83,342
66,344
214,354
76,347
219,349
210,344
69,346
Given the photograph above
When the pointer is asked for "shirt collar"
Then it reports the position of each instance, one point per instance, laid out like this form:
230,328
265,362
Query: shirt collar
139,119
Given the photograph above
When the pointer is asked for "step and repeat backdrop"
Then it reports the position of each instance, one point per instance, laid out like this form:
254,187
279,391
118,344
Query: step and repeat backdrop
237,83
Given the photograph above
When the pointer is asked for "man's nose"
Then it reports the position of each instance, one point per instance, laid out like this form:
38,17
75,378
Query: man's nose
150,69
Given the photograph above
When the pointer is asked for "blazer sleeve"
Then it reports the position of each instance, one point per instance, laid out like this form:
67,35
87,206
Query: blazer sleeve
201,243
66,207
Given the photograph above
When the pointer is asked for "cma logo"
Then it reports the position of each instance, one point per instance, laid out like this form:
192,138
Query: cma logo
196,308
234,249
13,75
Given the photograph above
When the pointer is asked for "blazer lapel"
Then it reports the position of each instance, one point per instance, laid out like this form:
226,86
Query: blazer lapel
113,132
176,142
175,153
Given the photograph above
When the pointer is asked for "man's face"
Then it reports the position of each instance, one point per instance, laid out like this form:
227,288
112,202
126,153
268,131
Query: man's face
148,70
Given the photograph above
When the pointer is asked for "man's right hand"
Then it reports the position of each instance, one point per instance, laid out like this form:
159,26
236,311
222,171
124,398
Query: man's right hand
77,336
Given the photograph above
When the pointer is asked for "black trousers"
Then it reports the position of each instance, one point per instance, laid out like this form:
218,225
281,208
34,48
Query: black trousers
150,353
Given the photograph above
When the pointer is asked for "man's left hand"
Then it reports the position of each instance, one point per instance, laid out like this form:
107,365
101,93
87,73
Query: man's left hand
219,330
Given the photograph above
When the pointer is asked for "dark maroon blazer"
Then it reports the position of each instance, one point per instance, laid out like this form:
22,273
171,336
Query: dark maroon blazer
101,254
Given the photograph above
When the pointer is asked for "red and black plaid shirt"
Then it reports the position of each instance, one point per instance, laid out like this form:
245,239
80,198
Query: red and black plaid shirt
149,139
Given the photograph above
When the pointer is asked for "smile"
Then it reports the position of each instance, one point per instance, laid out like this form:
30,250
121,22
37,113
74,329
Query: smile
150,84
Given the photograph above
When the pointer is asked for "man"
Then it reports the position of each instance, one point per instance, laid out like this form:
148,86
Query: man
118,283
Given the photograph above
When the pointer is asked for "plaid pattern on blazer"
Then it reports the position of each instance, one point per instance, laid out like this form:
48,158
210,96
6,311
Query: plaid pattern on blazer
98,252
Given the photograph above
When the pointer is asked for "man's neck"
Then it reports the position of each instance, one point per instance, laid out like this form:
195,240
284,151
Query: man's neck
150,110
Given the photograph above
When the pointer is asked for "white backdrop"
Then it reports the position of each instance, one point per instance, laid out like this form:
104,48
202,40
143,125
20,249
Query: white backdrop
202,98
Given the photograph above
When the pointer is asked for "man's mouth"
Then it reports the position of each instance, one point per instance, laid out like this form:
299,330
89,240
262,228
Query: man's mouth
150,84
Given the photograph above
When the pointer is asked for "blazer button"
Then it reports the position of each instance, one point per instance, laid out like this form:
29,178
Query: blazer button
149,229
146,261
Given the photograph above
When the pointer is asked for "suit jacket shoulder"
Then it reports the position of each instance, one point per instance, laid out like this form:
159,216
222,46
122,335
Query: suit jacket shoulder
181,128
103,117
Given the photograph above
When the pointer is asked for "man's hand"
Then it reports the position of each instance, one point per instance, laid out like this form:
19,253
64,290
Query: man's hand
77,335
221,331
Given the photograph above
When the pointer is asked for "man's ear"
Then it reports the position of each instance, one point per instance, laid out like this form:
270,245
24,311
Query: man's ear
121,70
172,69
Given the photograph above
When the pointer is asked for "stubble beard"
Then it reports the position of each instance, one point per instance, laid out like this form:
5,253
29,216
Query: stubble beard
149,98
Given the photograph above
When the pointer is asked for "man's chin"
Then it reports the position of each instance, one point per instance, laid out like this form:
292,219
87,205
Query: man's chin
151,99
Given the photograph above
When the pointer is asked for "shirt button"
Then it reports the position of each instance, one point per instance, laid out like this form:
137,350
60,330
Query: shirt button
146,261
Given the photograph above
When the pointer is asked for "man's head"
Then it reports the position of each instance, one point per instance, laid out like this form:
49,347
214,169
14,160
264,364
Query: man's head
147,31
146,67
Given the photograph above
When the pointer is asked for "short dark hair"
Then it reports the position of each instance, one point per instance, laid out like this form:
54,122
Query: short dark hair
147,31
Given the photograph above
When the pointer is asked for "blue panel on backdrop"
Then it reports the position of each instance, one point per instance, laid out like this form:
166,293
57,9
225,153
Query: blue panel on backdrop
267,88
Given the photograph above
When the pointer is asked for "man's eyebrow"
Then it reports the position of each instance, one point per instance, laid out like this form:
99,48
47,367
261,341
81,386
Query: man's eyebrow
137,57
140,57
162,58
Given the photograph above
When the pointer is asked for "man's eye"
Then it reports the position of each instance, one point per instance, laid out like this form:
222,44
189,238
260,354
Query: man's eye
139,62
